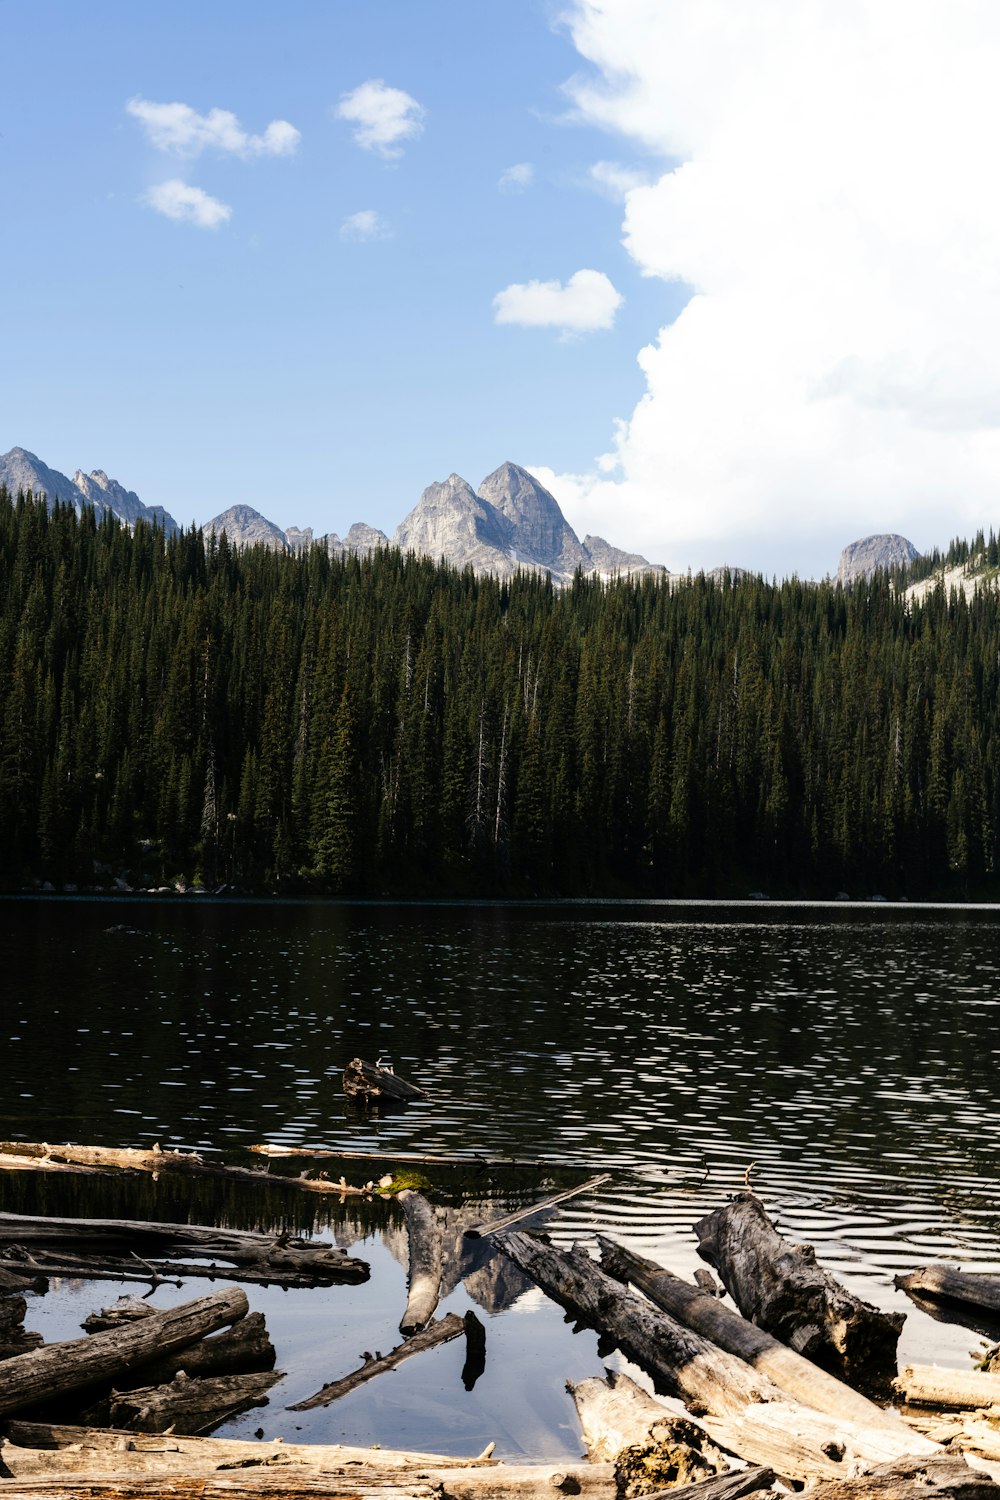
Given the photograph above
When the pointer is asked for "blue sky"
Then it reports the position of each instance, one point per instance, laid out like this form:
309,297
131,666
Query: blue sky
771,326
274,360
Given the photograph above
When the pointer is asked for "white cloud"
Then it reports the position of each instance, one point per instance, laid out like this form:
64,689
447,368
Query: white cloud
516,178
382,117
826,194
587,302
366,224
188,205
179,128
616,181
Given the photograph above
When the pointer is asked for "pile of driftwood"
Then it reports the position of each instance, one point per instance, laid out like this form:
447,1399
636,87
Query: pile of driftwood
771,1394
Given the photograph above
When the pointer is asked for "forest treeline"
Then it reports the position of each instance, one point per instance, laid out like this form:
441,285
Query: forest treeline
174,708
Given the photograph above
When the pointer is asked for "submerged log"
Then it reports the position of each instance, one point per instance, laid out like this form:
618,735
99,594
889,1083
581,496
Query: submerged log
783,1289
975,1288
55,1369
649,1446
435,1333
682,1363
531,1210
423,1232
927,1385
365,1080
797,1376
189,1406
122,1248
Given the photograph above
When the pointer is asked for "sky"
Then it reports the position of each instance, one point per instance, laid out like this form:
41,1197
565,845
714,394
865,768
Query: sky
725,276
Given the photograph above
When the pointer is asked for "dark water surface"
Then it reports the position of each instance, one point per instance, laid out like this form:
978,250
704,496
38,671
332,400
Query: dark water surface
853,1062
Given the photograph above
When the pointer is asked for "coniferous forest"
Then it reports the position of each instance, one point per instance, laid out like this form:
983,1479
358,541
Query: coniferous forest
173,709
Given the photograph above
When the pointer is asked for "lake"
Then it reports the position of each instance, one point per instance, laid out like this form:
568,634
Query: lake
844,1059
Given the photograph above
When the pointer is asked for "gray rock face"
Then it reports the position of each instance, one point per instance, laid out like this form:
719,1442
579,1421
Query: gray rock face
451,521
21,470
364,539
862,558
608,560
537,529
246,527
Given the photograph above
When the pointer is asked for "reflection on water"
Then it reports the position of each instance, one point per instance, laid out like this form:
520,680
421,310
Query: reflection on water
849,1067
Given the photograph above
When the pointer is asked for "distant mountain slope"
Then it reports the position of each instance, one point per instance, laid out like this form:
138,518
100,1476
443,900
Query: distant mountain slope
21,470
246,527
884,550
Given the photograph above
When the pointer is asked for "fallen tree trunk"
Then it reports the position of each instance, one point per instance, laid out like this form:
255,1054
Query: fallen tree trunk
724,1487
189,1406
366,1081
783,1289
121,1248
435,1333
938,1281
793,1374
31,1156
423,1233
649,1446
241,1350
682,1363
942,1477
478,1231
410,1158
927,1385
55,1369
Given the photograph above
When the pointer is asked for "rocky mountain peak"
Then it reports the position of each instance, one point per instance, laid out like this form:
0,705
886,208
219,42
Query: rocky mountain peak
21,470
884,550
450,520
540,532
246,527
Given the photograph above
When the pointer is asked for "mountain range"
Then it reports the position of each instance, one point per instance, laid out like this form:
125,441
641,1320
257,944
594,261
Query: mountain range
511,522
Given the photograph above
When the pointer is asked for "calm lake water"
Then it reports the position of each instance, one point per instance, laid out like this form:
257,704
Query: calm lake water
847,1060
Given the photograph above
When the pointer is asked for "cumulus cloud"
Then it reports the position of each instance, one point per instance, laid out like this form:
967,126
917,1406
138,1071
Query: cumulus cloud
825,198
366,224
587,302
382,117
516,178
181,129
186,204
616,181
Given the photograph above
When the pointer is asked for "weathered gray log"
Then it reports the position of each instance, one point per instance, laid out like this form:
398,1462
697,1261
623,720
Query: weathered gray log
802,1444
783,1289
104,1160
124,1248
649,1446
944,1282
365,1080
189,1406
696,1309
57,1368
941,1477
531,1210
428,1338
13,1337
927,1385
723,1487
681,1362
423,1233
240,1350
410,1158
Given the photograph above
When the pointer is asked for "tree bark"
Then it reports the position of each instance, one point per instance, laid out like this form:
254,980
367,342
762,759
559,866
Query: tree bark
723,1487
435,1333
189,1406
927,1385
423,1232
57,1368
794,1375
682,1363
937,1281
781,1288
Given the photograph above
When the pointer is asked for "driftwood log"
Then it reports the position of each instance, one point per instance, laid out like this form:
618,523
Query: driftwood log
423,1232
724,1487
793,1374
55,1369
189,1406
975,1288
430,1337
531,1210
941,1477
927,1385
681,1362
650,1447
124,1249
783,1289
367,1081
407,1158
13,1337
